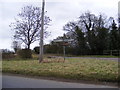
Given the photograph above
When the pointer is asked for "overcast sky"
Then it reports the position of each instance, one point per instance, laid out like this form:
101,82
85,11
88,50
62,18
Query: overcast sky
60,12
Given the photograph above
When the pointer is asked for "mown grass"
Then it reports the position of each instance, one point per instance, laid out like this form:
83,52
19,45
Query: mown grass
100,56
35,56
75,69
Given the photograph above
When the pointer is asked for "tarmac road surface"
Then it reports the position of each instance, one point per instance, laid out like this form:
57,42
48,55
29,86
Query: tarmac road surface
13,81
97,58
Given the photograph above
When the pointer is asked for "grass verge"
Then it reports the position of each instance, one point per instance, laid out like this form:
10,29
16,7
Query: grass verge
75,69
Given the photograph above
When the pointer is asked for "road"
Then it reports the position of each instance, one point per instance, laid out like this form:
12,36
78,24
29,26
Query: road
12,81
97,58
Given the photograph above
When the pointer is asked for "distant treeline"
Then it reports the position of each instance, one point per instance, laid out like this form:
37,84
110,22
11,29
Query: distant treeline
92,35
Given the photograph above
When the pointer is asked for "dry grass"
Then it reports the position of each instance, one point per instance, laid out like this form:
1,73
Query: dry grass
75,68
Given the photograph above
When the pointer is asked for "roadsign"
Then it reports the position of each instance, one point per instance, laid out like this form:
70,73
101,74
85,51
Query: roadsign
64,43
63,40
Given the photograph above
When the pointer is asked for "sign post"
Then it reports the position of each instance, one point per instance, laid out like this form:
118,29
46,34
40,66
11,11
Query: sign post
64,52
65,43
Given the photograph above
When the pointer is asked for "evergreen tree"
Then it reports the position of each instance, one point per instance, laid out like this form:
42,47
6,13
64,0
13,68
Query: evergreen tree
81,41
114,37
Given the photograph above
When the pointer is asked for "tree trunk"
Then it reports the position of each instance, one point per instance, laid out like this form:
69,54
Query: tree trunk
28,46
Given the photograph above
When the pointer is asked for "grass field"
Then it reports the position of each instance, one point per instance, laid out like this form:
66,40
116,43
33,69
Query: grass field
75,69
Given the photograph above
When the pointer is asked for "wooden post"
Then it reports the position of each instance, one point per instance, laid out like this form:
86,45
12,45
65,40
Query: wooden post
41,33
64,52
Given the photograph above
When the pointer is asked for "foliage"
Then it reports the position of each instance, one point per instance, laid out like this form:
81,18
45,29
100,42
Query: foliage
81,41
53,49
93,34
7,54
25,53
114,37
36,49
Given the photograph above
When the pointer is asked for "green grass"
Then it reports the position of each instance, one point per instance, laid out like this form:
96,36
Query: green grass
75,69
35,56
99,56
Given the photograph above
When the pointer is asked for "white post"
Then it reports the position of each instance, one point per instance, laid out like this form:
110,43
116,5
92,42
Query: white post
41,33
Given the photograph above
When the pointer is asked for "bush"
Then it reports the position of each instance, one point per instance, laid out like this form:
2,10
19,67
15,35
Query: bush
8,55
25,53
36,50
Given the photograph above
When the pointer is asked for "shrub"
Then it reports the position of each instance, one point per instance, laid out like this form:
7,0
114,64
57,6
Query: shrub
36,50
25,53
7,55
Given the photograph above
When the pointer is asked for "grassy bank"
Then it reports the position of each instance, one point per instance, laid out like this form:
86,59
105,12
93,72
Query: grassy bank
75,69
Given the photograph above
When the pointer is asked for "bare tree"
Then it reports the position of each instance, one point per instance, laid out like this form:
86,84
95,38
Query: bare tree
70,28
89,32
27,27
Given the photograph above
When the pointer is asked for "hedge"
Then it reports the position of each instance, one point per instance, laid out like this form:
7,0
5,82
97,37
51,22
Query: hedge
25,53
